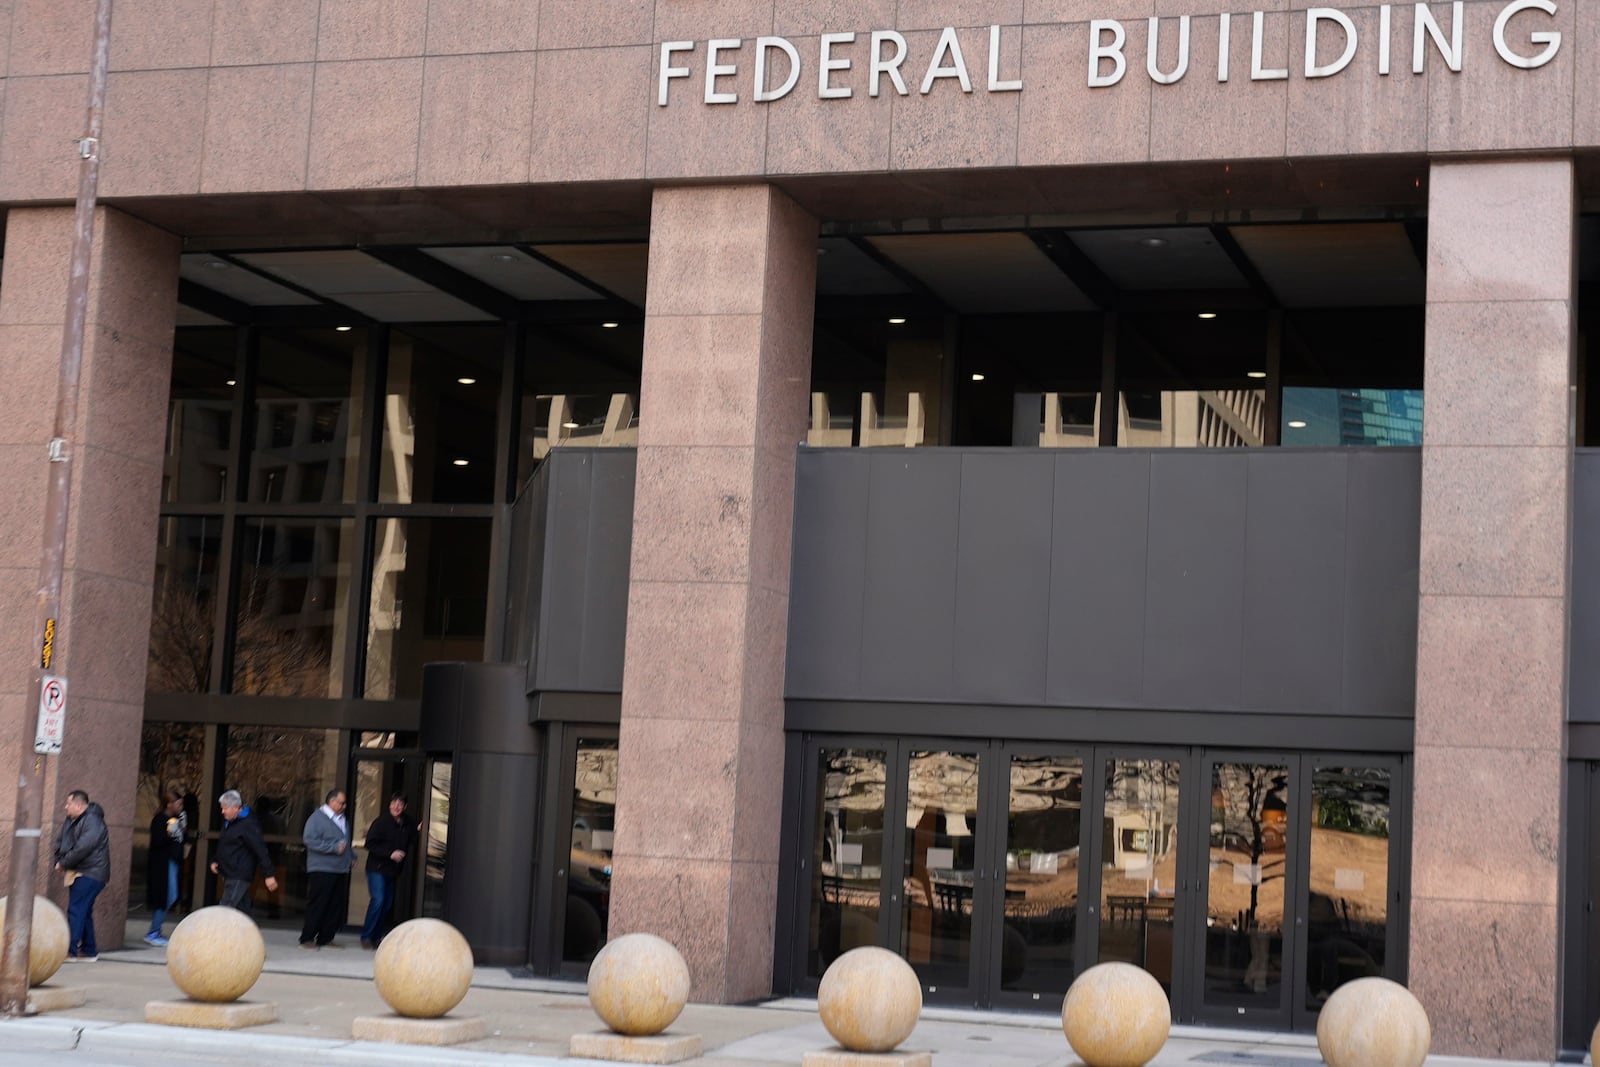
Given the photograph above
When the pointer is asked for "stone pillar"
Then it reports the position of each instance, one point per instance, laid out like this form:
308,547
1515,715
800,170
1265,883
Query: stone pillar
727,358
1492,619
111,534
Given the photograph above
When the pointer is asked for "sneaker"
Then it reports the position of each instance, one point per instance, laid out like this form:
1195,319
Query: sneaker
83,959
312,945
367,944
155,939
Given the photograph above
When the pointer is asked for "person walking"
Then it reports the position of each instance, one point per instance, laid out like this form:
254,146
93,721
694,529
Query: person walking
83,856
389,842
329,857
169,828
241,851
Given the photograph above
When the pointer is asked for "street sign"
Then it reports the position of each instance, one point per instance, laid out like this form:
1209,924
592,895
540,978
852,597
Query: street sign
52,715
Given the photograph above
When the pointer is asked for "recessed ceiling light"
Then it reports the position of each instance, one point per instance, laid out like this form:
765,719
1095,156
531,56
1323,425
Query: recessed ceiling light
503,257
1255,374
897,322
608,325
466,381
1208,314
1153,242
459,462
569,426
343,329
217,264
1297,424
231,381
977,377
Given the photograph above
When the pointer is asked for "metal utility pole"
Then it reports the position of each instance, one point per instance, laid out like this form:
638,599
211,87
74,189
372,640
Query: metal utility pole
47,688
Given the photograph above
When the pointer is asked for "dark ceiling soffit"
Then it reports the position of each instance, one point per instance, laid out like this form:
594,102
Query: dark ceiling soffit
213,303
572,275
1241,262
447,279
1079,268
917,286
348,315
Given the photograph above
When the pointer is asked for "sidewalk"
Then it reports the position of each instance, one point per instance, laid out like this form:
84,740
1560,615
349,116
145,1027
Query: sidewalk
319,994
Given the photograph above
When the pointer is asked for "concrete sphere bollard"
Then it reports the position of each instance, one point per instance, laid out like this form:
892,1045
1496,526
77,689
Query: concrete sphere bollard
638,985
423,968
1594,1045
215,955
1373,1022
869,1000
47,939
1116,1015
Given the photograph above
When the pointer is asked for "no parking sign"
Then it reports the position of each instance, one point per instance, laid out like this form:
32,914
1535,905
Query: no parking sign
52,715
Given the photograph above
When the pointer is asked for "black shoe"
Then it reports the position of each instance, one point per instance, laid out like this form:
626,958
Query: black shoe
367,944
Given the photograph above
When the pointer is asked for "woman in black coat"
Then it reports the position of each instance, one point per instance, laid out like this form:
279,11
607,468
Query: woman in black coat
164,867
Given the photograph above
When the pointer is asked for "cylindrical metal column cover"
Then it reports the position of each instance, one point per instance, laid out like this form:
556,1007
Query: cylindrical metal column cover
477,713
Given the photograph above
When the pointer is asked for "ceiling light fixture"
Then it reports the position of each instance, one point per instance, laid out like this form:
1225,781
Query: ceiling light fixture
466,381
1153,242
217,264
897,322
231,381
569,426
608,325
1208,314
977,377
1255,374
1297,424
503,257
459,462
343,329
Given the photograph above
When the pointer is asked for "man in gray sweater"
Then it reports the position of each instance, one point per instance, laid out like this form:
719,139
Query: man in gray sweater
328,859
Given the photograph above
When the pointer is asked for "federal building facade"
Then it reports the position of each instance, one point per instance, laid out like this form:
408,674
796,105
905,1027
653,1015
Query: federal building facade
1019,482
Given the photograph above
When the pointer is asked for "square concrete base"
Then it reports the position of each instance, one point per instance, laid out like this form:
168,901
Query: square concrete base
399,1030
53,998
204,1016
662,1048
838,1057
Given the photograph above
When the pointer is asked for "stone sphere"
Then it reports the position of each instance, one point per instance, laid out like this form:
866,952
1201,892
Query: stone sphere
215,955
1116,1015
423,968
47,941
1594,1045
1373,1022
869,1000
638,985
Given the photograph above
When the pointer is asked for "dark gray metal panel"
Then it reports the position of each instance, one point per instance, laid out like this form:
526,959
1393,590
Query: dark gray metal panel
564,597
1294,583
1097,578
829,572
1002,605
1194,591
1382,546
1583,702
908,619
525,555
608,565
491,854
475,707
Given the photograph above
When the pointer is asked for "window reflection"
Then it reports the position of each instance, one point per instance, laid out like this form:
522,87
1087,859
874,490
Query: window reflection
429,596
182,615
880,380
439,414
940,873
1348,912
1139,865
438,845
307,416
594,807
1041,891
171,755
846,855
294,579
198,462
580,387
1328,418
1249,851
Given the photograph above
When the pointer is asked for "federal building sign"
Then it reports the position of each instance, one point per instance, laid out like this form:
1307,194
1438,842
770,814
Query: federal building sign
840,65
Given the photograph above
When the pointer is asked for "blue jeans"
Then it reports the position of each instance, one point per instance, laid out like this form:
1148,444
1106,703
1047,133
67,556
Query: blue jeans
160,915
381,888
80,916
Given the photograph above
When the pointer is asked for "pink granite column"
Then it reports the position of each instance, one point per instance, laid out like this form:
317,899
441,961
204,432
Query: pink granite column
111,535
723,404
1491,648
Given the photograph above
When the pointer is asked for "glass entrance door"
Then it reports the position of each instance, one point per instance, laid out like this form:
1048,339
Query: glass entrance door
1138,872
378,775
940,873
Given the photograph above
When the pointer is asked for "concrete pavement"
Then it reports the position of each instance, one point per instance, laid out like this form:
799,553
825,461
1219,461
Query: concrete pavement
319,994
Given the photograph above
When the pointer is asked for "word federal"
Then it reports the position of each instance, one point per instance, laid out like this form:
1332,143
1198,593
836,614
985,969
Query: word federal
844,61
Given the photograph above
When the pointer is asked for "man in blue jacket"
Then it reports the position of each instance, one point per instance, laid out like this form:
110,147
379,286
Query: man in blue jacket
328,859
83,856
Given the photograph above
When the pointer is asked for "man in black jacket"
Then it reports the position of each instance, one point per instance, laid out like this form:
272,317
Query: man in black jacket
241,850
83,856
389,842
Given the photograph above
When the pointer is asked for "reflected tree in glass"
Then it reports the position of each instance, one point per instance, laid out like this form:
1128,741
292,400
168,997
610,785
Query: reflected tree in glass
1245,892
1138,878
846,855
